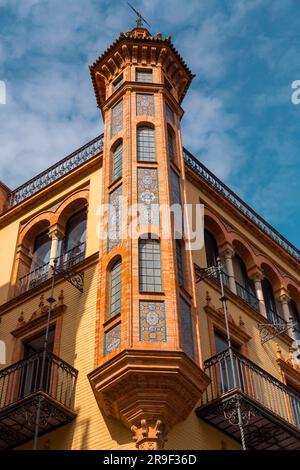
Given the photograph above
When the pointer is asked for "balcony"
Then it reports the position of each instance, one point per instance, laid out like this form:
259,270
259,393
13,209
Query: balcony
22,385
41,274
270,410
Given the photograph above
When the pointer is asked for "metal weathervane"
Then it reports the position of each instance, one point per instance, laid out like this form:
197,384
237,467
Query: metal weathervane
140,20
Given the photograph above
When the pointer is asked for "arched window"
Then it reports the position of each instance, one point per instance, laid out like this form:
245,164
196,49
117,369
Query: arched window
244,285
295,318
115,288
270,301
117,157
41,250
146,144
75,236
150,265
171,143
211,249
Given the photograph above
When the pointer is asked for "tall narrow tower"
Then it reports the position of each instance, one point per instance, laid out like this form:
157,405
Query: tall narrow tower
148,365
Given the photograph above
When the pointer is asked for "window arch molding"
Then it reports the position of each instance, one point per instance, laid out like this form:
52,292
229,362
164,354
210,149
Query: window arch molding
69,206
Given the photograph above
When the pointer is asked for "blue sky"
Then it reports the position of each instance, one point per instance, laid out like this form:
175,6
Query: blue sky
239,118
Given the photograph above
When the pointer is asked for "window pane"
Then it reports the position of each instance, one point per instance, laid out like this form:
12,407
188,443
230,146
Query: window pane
75,231
187,333
211,249
150,266
118,83
115,289
145,144
171,144
117,161
176,192
179,260
144,76
41,251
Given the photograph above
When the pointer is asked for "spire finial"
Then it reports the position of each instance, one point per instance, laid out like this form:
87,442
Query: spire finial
140,20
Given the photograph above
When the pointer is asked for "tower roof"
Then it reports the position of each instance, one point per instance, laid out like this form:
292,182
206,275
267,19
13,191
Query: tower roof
158,50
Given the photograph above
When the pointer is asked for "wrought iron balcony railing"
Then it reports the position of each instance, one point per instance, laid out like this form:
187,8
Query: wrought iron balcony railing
24,378
26,383
41,274
268,403
57,171
247,295
227,193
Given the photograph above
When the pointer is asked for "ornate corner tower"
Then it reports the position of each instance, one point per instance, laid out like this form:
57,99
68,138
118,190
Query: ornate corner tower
148,365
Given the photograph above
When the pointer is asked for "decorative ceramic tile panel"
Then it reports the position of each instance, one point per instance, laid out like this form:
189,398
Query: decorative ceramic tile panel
145,105
152,321
187,333
148,196
114,218
117,118
169,113
112,339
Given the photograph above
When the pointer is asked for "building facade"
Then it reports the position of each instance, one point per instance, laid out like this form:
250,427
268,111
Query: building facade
116,332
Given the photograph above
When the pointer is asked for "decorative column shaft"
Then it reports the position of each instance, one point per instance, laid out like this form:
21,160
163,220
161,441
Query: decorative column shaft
227,254
257,277
56,234
284,301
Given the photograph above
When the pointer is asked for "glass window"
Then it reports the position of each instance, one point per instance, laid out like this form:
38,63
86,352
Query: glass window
41,250
176,190
211,248
117,161
144,76
270,302
179,261
146,144
75,231
171,143
118,82
115,289
186,324
150,266
169,113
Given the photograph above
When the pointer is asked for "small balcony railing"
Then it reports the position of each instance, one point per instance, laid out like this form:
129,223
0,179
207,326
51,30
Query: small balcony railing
247,296
44,381
24,378
41,274
255,383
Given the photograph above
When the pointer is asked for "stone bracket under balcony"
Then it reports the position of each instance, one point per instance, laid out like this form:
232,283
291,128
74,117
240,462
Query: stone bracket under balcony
17,421
263,431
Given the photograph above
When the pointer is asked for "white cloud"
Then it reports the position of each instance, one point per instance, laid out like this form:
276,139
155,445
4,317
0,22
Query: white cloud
207,131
